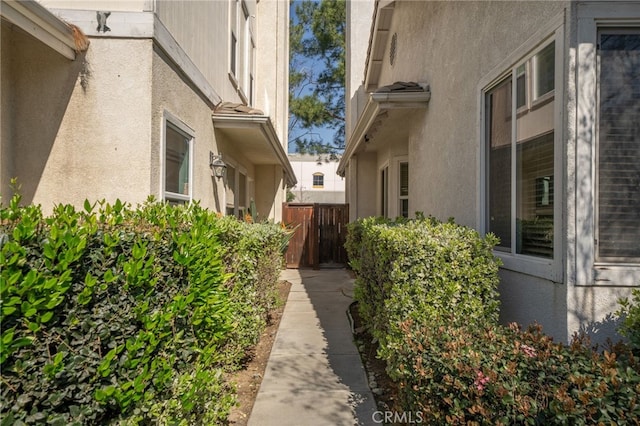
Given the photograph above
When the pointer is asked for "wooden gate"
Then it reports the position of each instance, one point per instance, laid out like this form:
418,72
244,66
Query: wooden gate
320,234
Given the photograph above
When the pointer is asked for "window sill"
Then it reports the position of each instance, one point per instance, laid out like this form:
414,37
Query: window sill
173,196
619,275
538,267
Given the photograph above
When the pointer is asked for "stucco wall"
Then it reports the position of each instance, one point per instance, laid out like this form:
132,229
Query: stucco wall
6,110
366,172
359,15
209,47
429,49
72,142
172,94
272,64
269,193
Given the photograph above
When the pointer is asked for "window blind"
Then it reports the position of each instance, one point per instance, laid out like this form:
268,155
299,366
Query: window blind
618,207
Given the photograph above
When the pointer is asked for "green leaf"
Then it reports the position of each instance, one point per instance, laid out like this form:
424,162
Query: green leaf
46,317
8,310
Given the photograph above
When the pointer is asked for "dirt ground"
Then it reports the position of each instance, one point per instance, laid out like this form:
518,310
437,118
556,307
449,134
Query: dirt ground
249,378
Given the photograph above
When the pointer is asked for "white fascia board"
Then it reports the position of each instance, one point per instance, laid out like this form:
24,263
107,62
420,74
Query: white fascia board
143,25
383,14
40,23
264,124
366,119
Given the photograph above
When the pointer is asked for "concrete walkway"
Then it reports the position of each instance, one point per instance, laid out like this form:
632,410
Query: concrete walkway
314,375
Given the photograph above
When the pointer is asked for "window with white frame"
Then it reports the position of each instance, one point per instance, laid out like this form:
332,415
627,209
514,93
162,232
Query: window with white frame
618,146
178,141
231,190
403,190
233,64
242,195
243,46
318,180
384,191
607,153
520,128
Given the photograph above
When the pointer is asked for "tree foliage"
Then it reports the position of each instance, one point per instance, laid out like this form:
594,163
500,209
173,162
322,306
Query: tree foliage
316,74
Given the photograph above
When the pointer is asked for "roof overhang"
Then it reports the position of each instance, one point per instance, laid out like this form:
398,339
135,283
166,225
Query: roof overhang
380,27
257,138
376,111
36,20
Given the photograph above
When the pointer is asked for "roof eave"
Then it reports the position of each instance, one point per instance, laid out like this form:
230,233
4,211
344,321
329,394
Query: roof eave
376,104
383,14
264,124
36,20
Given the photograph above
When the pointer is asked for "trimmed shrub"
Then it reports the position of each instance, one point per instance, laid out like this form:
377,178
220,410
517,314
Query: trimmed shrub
421,270
114,315
630,314
455,373
427,291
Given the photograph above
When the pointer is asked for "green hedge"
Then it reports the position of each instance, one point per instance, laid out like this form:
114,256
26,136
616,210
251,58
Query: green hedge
422,270
427,291
456,373
116,315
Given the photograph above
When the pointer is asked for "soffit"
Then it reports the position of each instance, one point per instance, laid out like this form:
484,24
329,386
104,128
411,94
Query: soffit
385,118
36,20
381,25
253,133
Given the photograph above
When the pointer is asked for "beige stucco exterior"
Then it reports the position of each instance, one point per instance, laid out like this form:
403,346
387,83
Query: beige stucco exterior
93,125
458,48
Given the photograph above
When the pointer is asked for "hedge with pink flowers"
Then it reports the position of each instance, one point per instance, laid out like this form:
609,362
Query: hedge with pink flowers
428,293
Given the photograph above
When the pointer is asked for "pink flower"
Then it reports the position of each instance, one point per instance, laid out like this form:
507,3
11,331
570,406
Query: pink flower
529,351
481,380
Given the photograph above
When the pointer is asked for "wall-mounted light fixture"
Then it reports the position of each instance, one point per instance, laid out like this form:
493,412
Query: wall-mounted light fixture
217,165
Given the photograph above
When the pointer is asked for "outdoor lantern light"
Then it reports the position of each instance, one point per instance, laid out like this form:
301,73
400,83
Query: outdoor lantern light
217,165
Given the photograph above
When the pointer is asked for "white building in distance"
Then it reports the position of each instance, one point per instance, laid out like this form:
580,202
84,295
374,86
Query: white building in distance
318,181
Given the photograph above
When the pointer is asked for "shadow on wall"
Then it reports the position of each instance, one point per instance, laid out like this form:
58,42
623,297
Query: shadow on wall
40,85
601,331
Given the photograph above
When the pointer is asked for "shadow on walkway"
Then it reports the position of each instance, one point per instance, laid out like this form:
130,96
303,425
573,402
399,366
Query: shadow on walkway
314,375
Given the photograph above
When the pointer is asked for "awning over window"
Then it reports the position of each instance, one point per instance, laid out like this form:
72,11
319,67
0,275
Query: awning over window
254,133
382,108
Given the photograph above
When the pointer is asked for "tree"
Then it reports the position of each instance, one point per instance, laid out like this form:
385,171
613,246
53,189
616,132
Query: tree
316,75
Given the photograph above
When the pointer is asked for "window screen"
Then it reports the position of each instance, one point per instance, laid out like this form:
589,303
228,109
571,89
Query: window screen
618,162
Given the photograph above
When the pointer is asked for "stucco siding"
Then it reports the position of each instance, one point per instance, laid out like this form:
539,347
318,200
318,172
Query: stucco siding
525,299
6,111
272,64
74,142
102,146
171,94
591,309
202,29
444,148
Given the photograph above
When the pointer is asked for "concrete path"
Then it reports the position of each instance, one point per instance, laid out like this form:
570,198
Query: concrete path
314,375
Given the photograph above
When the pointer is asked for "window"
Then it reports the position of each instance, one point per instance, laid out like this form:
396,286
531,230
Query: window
318,180
404,190
231,190
384,195
243,47
242,195
178,140
520,157
544,75
234,38
618,147
252,55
